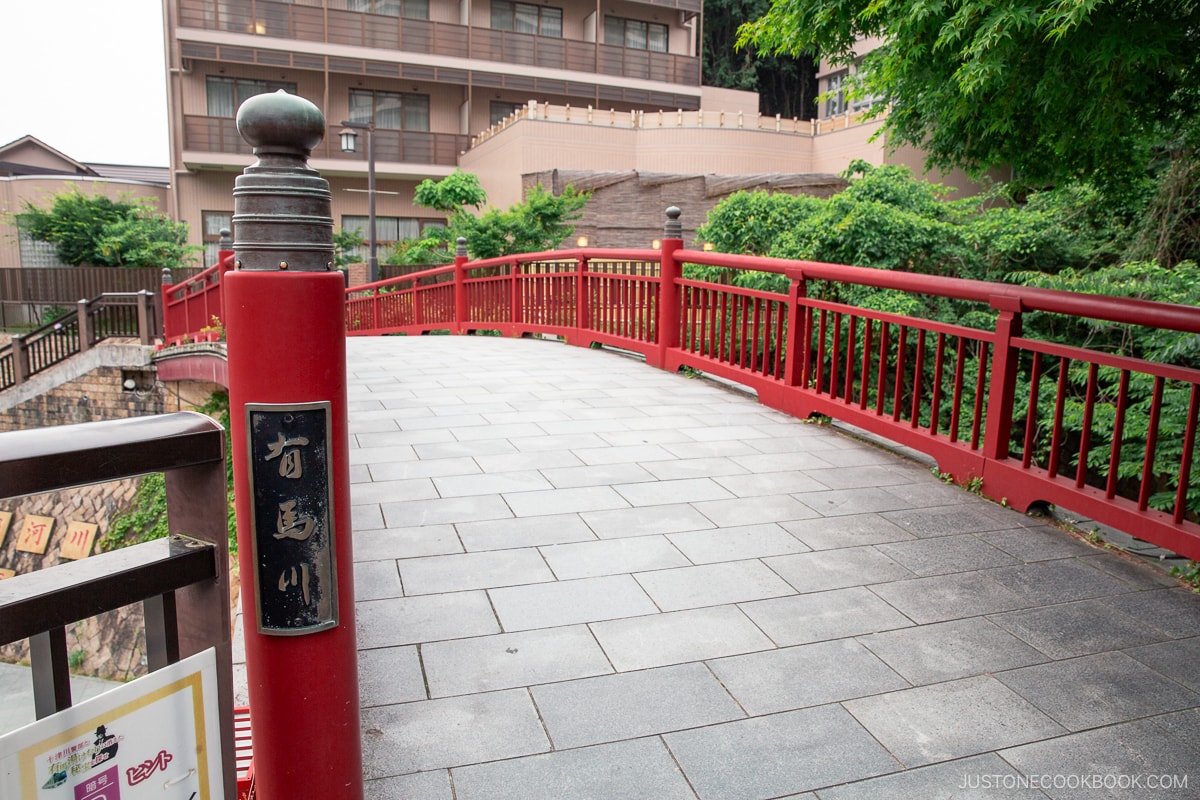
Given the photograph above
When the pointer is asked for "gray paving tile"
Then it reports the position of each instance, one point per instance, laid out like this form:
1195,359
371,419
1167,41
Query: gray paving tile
546,605
944,597
481,570
1183,725
1137,575
1039,543
1097,690
501,534
490,483
450,732
612,557
730,544
390,675
725,449
413,438
949,650
769,483
565,442
808,675
409,620
633,704
457,449
709,467
945,554
1060,581
436,512
1176,612
645,521
509,660
712,584
381,455
785,462
657,493
846,502
564,501
392,543
408,470
856,477
754,510
518,462
853,530
985,777
1072,629
761,757
374,580
944,521
1179,659
950,720
924,491
601,475
418,786
646,771
360,473
815,617
627,454
1135,749
678,637
366,517
822,570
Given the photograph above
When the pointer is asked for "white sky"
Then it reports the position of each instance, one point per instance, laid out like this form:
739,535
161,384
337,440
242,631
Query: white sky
87,77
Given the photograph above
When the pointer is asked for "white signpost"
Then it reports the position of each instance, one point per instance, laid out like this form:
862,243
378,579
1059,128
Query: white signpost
157,736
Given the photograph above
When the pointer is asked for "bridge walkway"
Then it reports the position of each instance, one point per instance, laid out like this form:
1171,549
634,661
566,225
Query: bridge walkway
579,576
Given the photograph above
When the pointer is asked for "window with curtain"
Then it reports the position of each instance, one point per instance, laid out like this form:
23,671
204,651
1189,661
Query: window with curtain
388,231
835,101
636,34
390,110
226,94
526,18
412,9
211,223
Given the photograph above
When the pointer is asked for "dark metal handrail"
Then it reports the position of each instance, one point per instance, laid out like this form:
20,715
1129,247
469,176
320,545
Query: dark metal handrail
111,315
182,582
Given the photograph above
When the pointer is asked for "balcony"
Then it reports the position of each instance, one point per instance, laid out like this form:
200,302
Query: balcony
219,135
302,23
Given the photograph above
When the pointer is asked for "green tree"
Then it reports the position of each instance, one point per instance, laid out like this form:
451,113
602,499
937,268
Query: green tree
541,222
103,232
1056,89
786,84
456,191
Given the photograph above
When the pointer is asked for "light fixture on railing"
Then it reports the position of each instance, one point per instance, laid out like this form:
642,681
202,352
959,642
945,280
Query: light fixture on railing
709,247
582,241
656,244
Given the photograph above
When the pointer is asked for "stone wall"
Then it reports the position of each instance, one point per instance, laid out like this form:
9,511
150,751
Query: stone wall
96,396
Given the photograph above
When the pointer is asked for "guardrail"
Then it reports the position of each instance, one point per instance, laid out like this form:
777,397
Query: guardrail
1021,420
114,315
193,305
182,582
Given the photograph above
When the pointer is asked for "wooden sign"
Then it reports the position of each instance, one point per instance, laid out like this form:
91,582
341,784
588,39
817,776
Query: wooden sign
80,538
5,521
35,534
7,573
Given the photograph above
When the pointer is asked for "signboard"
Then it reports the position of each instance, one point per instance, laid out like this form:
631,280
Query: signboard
35,534
7,573
80,537
291,496
155,737
5,521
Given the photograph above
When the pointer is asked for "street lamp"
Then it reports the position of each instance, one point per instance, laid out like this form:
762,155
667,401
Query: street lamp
349,137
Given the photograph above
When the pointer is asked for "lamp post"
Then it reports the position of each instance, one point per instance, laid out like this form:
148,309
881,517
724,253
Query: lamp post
349,137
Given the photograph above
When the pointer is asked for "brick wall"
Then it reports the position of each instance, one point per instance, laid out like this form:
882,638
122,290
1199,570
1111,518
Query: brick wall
96,396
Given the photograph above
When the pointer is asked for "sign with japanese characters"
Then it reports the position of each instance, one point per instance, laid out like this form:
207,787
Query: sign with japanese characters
35,534
7,573
80,538
155,737
291,494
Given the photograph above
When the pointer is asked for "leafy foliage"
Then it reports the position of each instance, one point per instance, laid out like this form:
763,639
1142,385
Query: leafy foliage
345,242
103,232
457,190
1056,89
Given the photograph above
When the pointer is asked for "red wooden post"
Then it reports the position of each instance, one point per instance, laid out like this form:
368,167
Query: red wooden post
669,273
796,350
1004,378
287,371
462,309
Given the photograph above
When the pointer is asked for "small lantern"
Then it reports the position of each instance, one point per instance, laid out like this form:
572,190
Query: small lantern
349,140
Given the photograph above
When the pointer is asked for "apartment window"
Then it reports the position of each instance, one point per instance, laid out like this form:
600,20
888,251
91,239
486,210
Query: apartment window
211,223
835,101
500,110
412,9
636,34
390,110
226,94
526,18
388,231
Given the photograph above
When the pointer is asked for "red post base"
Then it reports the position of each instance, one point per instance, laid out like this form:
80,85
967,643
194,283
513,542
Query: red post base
287,344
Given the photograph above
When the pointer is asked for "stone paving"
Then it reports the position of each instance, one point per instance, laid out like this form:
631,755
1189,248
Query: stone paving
581,577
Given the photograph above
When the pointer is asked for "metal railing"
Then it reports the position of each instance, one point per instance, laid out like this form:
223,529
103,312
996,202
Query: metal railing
117,315
182,582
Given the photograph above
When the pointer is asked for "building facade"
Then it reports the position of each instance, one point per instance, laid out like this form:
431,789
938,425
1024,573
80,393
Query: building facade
427,73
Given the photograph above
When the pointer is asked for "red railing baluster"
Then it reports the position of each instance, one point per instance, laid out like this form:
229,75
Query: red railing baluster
1056,428
1085,440
898,390
935,405
1147,482
1185,463
1031,420
918,383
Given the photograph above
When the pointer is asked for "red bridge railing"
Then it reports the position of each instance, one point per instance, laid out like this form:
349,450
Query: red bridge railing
1022,420
192,309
